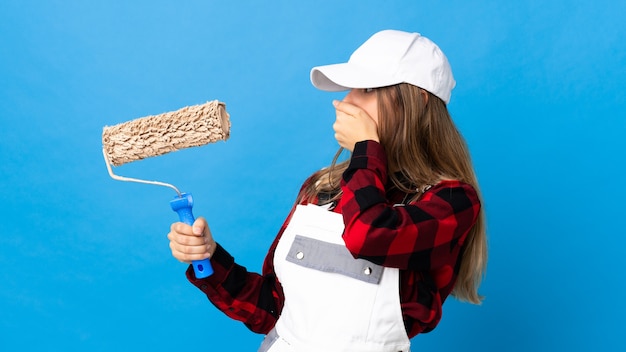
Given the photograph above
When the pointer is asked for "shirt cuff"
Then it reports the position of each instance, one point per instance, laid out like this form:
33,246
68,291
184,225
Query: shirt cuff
367,155
368,148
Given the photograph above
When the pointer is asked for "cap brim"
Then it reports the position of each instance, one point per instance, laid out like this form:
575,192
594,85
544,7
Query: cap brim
339,77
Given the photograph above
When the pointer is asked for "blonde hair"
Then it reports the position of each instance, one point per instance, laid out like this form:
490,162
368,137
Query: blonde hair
423,146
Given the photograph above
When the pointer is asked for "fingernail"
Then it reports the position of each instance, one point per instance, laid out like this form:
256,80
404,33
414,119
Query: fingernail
335,102
197,230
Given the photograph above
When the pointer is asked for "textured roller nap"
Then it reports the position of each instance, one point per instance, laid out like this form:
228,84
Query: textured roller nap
150,136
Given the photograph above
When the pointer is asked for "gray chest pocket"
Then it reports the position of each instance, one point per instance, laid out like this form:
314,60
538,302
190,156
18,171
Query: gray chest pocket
332,258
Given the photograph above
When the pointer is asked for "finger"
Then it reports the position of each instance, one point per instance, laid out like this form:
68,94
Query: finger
181,228
348,108
187,249
344,107
188,257
199,226
185,240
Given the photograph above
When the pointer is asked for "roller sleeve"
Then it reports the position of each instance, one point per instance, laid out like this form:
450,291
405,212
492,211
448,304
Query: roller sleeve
150,136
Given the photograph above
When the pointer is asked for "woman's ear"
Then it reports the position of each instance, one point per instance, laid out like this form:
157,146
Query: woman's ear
424,96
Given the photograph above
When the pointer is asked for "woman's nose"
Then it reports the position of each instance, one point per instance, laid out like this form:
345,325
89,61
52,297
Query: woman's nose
348,98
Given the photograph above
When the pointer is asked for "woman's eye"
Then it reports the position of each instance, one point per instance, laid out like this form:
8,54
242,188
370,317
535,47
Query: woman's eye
368,90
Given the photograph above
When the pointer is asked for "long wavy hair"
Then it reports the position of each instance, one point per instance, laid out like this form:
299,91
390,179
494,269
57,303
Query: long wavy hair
423,147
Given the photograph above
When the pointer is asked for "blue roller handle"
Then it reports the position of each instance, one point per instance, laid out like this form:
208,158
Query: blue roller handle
182,205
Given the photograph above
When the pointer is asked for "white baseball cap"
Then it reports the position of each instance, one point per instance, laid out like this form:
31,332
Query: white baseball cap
390,57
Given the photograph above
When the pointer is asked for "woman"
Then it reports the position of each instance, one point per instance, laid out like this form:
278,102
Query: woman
375,244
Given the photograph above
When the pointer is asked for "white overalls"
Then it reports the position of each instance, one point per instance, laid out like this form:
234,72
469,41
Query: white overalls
333,302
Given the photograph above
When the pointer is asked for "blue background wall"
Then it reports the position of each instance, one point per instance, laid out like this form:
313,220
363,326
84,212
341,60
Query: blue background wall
84,259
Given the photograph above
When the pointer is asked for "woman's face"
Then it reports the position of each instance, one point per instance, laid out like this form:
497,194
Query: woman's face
366,99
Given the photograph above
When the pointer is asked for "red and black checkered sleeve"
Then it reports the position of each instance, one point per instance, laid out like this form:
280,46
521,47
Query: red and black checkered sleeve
424,235
254,299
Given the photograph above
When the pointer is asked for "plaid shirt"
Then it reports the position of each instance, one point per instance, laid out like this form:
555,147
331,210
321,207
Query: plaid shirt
424,239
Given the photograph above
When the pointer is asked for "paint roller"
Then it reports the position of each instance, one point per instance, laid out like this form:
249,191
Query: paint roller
149,136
